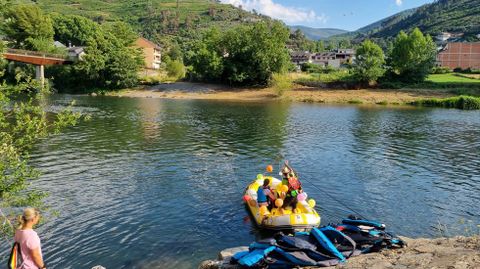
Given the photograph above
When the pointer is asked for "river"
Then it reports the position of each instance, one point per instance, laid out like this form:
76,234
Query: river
152,183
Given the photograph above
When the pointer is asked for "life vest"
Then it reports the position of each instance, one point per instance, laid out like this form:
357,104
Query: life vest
261,197
294,183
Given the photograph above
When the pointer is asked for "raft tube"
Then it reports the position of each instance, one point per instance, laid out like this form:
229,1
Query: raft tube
305,219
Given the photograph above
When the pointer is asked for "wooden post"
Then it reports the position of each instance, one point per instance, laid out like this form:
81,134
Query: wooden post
40,74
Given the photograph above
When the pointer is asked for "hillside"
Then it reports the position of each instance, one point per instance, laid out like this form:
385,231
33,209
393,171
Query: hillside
152,17
318,33
376,26
369,30
440,16
434,18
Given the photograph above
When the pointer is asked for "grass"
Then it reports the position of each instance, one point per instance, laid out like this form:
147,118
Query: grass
452,78
315,79
459,102
355,101
160,77
454,83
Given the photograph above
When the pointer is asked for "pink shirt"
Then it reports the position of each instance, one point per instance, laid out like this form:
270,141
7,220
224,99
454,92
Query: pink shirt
28,240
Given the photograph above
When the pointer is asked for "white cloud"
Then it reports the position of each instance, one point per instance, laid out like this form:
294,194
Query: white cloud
399,2
278,11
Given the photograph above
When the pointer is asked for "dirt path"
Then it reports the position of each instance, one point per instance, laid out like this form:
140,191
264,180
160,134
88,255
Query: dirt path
187,90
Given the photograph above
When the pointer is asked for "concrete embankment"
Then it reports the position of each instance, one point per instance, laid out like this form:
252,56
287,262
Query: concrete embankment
448,253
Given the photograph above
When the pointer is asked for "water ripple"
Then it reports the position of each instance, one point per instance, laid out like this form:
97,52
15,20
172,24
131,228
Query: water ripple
153,183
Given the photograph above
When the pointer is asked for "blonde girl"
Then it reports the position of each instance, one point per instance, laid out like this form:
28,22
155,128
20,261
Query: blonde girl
29,241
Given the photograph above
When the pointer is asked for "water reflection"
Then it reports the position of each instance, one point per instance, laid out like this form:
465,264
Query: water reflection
151,183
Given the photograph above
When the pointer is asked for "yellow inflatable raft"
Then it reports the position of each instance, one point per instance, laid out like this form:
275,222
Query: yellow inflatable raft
303,219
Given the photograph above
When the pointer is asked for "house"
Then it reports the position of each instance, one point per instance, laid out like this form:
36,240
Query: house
59,44
300,57
442,37
151,51
460,55
446,37
335,58
76,53
324,58
345,55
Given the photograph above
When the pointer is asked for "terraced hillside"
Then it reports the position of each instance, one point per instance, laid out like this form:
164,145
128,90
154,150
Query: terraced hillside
152,16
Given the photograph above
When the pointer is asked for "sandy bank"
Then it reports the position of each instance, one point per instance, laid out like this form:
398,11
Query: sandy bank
448,253
187,90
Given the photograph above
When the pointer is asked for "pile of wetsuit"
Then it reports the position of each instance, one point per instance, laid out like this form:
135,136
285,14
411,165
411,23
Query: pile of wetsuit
322,247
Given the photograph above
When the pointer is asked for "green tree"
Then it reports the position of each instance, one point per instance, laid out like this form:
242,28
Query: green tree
320,46
23,122
254,52
122,31
412,56
28,28
246,54
300,41
369,62
205,57
110,61
74,30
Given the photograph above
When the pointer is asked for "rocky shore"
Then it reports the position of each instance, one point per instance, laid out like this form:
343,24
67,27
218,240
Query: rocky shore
449,253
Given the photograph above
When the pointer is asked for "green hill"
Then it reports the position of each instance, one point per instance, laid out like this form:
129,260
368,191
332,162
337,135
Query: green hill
440,16
376,26
152,17
317,33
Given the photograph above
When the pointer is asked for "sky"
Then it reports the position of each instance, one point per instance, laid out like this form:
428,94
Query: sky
343,14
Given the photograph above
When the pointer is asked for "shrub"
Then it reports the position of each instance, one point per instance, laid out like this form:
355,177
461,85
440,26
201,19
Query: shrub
175,69
459,102
280,83
315,68
441,70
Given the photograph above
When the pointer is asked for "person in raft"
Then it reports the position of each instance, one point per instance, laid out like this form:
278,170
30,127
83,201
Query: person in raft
290,179
29,241
265,196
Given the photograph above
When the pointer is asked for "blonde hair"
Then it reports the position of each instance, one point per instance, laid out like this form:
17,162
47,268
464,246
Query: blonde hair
28,215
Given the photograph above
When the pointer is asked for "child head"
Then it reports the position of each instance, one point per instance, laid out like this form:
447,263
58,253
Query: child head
266,182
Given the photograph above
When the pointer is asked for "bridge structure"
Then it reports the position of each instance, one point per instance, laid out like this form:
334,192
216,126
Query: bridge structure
39,59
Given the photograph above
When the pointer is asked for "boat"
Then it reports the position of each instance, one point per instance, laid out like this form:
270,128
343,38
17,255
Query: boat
304,218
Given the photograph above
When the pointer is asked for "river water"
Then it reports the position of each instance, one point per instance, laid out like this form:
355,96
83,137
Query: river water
151,183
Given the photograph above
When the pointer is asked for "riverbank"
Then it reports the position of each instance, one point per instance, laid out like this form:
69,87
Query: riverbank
457,252
187,90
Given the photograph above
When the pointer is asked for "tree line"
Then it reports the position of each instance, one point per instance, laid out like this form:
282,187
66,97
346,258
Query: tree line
110,62
244,55
409,58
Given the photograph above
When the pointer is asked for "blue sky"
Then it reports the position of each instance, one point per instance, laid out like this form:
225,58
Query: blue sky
343,14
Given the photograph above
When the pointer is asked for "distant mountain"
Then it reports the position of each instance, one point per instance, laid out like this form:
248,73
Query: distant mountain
439,16
317,33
